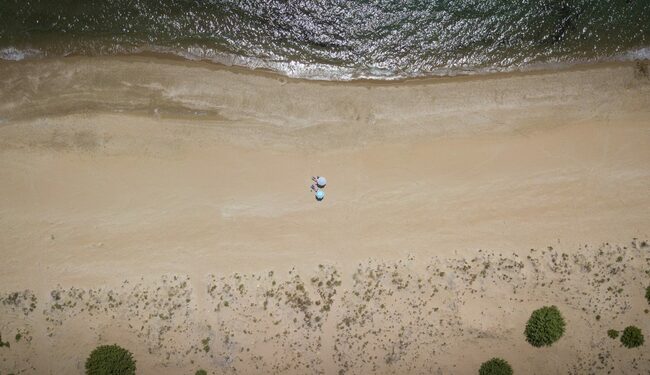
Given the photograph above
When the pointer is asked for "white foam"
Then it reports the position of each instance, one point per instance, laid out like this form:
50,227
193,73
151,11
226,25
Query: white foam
14,54
315,71
639,54
327,72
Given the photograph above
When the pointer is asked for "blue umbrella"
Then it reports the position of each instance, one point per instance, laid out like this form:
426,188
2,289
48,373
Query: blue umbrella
321,181
320,195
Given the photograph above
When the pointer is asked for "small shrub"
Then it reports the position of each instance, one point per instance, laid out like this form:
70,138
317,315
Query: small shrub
545,326
647,294
6,343
632,337
495,366
110,360
206,344
612,333
201,372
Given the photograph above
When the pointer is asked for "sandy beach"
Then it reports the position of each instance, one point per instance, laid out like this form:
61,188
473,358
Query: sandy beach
164,205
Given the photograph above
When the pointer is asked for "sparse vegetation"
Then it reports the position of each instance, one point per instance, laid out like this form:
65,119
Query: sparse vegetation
632,337
24,301
291,309
2,344
545,326
495,366
201,372
647,294
110,360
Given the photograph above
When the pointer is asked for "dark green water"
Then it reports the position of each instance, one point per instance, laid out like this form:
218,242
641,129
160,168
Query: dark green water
336,39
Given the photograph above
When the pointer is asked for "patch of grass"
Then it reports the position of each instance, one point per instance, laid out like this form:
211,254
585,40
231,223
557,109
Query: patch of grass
18,337
545,326
201,372
26,301
612,333
495,366
206,344
632,337
110,360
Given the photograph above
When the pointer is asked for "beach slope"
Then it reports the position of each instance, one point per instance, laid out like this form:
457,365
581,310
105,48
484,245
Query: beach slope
131,174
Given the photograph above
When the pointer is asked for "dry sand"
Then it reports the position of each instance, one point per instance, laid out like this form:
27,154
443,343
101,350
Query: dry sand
164,205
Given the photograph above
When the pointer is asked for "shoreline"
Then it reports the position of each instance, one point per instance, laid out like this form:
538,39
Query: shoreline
540,68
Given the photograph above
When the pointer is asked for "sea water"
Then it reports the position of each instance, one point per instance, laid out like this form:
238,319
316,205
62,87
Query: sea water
336,39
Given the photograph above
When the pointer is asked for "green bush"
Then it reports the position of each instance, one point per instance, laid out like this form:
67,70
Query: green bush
110,360
647,294
495,366
201,372
632,337
612,333
7,344
545,326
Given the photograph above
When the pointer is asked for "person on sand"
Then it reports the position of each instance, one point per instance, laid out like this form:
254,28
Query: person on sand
320,181
320,194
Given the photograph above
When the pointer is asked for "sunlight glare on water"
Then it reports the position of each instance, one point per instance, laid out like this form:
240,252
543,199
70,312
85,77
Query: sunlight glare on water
334,39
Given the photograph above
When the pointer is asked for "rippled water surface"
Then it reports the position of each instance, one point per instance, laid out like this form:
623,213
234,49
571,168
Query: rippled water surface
335,39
